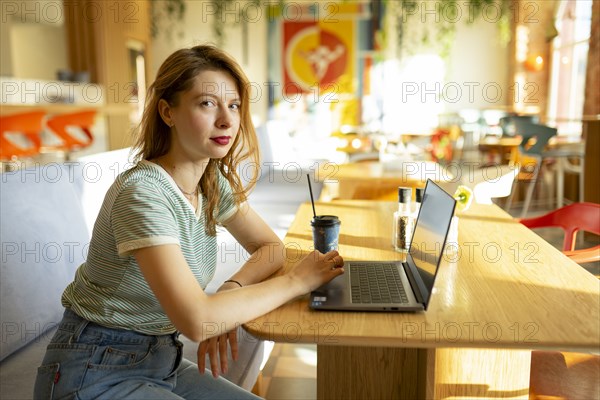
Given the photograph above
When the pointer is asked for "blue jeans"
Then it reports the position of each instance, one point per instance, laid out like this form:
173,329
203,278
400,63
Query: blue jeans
88,361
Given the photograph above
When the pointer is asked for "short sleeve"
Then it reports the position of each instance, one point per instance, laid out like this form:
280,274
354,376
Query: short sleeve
227,206
143,217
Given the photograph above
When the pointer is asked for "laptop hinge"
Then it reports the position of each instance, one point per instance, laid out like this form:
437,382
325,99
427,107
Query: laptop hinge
414,279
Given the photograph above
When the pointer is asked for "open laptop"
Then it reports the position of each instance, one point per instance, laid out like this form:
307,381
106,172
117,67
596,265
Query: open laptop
395,285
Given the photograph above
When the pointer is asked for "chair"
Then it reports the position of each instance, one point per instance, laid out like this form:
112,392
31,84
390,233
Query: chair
559,375
535,137
508,123
563,155
572,219
490,182
20,135
63,126
467,143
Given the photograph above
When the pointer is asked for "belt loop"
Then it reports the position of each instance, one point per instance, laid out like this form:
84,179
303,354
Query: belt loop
80,328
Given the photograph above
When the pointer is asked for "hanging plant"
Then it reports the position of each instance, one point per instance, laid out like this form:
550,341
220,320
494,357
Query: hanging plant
431,25
222,8
167,16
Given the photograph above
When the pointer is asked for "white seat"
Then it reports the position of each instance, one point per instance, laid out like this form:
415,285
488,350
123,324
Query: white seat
490,182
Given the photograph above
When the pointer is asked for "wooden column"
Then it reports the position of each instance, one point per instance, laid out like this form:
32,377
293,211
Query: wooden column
98,33
591,133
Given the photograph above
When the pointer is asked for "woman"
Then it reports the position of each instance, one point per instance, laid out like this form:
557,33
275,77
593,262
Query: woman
153,250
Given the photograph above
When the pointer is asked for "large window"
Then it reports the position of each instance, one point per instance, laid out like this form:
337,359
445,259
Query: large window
569,60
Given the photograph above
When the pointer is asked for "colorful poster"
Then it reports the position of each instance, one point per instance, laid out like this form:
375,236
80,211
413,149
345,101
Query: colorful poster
318,56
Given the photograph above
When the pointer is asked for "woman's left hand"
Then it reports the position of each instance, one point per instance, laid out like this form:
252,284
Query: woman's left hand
216,348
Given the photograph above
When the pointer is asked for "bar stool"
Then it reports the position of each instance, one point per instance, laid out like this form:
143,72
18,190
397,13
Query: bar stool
20,135
563,155
64,127
540,136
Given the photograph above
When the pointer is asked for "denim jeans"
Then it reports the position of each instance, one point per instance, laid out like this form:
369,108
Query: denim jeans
88,361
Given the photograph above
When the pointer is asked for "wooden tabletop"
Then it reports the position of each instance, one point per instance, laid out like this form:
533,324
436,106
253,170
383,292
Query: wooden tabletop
374,180
504,288
397,171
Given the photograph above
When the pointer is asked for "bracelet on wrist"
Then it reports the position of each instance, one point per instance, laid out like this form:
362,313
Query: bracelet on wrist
233,281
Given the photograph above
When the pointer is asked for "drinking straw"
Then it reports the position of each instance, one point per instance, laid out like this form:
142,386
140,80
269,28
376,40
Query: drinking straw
312,200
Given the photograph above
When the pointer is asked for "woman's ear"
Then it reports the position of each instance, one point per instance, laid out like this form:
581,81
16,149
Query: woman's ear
164,109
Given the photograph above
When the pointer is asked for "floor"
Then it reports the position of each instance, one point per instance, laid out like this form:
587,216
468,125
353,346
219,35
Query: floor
291,370
290,373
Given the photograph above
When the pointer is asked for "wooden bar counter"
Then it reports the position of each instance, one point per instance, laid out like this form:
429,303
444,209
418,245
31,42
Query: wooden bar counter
502,293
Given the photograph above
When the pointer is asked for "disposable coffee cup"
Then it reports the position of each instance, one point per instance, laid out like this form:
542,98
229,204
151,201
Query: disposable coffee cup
326,232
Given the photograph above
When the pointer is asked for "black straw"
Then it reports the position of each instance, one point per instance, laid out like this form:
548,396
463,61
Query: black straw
312,200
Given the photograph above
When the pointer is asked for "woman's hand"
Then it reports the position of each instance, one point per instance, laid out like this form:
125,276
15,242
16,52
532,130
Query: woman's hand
317,269
216,348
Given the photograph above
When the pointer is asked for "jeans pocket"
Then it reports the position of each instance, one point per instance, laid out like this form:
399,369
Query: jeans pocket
119,356
47,376
115,357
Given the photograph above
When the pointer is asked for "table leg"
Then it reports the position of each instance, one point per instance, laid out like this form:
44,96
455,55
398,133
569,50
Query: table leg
346,372
481,373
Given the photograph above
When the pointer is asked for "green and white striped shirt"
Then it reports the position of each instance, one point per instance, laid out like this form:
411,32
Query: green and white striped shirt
142,208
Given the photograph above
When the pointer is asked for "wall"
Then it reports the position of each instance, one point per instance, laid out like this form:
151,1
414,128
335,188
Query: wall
32,38
478,64
197,29
5,48
40,50
477,57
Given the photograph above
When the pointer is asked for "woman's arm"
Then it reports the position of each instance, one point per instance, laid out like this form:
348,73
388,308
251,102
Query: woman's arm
258,239
199,316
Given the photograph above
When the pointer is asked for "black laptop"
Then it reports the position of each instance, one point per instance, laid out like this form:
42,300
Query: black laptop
395,285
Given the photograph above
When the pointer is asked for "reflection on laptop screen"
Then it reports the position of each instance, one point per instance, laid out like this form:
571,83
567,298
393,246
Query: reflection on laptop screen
437,209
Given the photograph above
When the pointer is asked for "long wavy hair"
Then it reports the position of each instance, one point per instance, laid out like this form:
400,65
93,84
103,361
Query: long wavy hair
153,137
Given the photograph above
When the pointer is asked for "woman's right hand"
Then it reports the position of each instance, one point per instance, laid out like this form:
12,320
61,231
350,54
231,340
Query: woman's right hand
317,269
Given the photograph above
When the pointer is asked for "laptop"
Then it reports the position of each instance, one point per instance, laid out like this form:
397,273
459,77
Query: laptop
395,286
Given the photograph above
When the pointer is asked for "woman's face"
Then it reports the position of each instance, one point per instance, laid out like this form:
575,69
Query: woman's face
206,119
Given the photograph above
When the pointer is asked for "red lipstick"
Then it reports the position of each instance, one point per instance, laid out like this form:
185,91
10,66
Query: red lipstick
222,140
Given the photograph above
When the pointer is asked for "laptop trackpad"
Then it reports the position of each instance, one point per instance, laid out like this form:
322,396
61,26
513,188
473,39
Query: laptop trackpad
334,292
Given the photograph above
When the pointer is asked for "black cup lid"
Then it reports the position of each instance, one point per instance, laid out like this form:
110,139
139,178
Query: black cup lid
325,220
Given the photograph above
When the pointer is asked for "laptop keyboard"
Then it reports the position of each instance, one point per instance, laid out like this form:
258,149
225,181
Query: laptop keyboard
376,283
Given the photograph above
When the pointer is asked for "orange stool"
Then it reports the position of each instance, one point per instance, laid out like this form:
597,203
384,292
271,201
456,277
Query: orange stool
28,125
83,120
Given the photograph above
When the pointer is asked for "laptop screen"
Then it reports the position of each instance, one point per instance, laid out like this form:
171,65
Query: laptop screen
429,236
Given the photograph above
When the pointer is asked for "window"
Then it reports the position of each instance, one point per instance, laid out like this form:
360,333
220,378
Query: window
569,61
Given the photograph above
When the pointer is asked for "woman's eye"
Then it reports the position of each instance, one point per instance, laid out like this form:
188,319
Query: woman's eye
208,103
234,106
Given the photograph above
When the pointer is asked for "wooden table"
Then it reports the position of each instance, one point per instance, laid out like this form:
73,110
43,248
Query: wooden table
505,292
505,150
373,180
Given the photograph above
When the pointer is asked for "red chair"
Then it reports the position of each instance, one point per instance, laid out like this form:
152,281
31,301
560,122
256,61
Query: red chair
83,120
572,218
29,125
561,375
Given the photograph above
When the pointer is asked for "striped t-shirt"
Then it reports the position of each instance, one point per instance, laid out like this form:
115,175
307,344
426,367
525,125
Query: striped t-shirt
142,208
